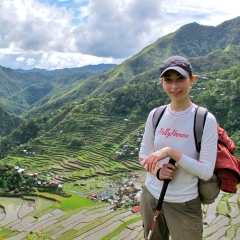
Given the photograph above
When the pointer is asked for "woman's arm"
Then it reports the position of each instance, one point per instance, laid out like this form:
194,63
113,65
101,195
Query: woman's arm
204,166
147,153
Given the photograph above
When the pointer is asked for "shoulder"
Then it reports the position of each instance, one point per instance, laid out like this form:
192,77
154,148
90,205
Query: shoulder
211,123
209,116
209,119
150,115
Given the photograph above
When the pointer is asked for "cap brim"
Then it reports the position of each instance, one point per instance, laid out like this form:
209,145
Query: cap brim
178,69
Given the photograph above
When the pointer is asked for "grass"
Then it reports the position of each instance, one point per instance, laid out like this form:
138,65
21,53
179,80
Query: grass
6,233
232,232
75,202
223,208
43,206
92,159
121,228
74,233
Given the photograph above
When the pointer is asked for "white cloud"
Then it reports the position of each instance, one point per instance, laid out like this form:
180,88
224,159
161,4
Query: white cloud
30,25
68,60
120,28
30,61
90,31
20,59
205,12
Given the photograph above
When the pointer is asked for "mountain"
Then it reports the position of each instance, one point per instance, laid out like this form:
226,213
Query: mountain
12,82
36,93
91,126
67,71
209,48
85,129
8,122
24,88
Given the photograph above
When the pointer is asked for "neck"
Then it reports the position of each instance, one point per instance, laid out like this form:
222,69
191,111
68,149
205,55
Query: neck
179,107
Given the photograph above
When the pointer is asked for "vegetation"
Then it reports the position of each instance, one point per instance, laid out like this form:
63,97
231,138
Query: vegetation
11,179
85,128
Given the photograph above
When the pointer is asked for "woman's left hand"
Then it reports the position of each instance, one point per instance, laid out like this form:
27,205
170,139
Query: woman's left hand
154,158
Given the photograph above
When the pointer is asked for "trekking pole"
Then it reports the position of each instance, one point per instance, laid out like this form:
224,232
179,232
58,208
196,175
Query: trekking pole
160,202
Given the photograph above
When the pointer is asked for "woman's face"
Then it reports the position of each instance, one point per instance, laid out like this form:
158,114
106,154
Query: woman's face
177,86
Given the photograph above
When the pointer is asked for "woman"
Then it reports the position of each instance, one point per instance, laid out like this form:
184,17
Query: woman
181,214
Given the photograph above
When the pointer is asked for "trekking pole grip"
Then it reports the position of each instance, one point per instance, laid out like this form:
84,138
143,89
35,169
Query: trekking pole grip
164,189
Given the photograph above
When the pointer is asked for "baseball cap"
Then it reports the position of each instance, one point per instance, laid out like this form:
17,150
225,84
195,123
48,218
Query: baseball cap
177,63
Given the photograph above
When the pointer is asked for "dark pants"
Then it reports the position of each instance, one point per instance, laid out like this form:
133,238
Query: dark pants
183,221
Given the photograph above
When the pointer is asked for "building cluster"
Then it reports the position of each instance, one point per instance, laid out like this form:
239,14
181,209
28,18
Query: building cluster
127,194
35,180
29,153
138,135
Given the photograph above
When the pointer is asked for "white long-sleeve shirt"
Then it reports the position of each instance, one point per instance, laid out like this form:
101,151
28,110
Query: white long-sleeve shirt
175,130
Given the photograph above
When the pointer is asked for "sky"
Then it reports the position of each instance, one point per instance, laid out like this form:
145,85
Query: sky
56,34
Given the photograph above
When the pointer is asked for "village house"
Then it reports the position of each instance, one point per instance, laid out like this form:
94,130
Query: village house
54,182
94,197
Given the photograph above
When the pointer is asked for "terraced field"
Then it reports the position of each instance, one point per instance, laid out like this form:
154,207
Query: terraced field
221,222
96,157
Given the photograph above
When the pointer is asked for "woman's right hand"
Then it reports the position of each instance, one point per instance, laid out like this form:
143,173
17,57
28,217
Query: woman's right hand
167,171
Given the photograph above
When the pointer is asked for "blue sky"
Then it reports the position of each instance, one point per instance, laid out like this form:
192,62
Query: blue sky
54,34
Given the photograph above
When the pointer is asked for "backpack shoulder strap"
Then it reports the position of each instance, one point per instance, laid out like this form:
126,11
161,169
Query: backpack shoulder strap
199,122
157,116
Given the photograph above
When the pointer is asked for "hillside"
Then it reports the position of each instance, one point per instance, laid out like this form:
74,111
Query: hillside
12,82
22,89
209,48
86,132
38,94
8,122
30,92
83,134
67,71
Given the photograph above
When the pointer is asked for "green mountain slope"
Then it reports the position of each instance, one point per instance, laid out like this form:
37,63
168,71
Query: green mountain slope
102,136
12,82
67,71
23,89
38,94
81,121
206,46
8,122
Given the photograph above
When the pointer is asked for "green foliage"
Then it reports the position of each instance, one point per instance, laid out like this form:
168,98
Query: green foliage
75,202
31,95
8,122
87,120
216,60
38,235
11,179
26,131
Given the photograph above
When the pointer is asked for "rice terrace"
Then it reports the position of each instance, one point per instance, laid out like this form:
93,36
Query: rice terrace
70,138
68,213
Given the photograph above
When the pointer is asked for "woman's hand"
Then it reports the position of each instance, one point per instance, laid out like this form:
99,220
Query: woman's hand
167,171
157,156
154,158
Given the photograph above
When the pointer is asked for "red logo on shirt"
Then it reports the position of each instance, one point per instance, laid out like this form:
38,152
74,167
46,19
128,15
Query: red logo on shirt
174,133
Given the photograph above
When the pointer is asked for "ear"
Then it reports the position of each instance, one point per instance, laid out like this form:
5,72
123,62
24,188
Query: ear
160,80
193,78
